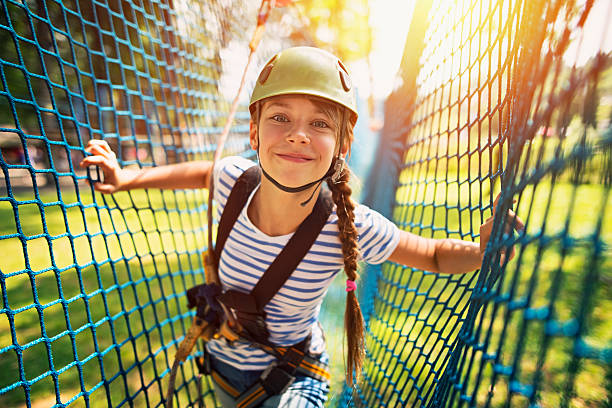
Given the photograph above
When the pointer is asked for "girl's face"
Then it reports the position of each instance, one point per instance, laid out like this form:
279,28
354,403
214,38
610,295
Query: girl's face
297,140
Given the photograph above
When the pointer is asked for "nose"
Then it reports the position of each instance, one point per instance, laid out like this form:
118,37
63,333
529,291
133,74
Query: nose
298,135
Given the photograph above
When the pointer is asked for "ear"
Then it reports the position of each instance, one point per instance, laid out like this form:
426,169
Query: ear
345,149
253,140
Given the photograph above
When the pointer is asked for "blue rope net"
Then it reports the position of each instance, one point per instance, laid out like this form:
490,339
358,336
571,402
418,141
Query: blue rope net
496,97
93,287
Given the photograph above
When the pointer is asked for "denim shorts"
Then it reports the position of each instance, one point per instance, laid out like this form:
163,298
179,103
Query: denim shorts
305,392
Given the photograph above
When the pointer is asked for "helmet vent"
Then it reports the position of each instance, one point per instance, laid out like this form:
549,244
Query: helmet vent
346,80
265,73
344,77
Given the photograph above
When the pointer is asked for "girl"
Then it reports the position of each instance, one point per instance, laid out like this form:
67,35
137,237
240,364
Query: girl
302,116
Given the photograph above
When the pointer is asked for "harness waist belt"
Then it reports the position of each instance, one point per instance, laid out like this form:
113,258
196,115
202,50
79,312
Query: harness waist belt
277,378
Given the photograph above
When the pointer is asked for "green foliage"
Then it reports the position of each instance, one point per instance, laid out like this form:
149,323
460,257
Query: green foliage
340,26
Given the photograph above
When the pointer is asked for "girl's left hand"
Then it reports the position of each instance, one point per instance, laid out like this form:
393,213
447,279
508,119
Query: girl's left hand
485,230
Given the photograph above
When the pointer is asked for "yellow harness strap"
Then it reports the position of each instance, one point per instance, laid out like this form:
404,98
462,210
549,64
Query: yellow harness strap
275,380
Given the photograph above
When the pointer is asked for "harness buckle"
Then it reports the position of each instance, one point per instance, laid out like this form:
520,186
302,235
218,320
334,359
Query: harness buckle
203,362
275,380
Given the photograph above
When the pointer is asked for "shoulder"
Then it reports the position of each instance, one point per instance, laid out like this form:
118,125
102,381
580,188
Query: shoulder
377,236
365,216
226,172
231,167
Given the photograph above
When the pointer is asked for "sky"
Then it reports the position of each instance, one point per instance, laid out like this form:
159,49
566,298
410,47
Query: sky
390,20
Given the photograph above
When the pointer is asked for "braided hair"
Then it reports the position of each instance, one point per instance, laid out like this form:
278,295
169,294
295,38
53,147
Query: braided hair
354,326
341,194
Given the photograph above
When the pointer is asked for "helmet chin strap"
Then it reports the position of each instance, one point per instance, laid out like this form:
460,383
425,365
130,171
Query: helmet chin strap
296,189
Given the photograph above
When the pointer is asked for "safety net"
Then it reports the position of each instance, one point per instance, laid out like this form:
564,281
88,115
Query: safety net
491,97
506,97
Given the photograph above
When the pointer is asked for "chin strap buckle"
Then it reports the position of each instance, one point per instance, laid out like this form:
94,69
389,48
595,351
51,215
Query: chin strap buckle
338,170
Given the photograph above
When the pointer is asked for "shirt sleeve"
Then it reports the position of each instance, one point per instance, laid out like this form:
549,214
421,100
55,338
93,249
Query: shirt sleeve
377,236
225,173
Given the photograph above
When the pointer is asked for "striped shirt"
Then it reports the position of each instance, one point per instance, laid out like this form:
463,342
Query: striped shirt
293,312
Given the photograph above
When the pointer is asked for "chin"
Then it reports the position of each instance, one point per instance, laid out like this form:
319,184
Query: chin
292,183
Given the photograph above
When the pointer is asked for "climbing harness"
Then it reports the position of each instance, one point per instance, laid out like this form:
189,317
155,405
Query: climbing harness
237,315
276,378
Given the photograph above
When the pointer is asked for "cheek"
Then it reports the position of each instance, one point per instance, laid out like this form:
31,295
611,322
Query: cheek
269,135
327,146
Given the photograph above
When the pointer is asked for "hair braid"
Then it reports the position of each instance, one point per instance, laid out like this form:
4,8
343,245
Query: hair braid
353,319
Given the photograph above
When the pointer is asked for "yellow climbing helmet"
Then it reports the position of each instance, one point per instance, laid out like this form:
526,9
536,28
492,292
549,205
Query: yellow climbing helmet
305,71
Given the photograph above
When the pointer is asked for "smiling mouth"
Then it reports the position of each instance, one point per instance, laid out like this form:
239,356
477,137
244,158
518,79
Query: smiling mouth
294,158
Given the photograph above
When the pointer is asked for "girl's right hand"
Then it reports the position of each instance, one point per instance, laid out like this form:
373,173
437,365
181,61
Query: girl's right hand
105,158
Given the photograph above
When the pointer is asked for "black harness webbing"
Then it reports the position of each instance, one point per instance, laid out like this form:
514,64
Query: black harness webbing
249,307
238,197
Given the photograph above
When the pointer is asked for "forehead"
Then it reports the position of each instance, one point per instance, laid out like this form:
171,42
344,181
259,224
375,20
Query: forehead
296,102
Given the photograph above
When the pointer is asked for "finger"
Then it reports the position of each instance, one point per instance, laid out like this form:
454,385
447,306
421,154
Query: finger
89,148
514,219
486,227
91,161
488,222
95,147
512,252
91,144
506,254
100,143
519,224
101,161
104,188
99,150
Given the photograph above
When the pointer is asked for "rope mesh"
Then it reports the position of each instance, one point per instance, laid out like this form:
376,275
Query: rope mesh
93,287
495,104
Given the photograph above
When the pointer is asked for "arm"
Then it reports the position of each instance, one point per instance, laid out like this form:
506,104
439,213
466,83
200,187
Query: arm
175,176
436,255
449,255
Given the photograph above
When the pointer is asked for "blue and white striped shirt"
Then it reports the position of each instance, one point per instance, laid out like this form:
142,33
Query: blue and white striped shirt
293,312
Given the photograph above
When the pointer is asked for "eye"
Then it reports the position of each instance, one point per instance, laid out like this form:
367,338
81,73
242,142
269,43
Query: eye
320,124
279,118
